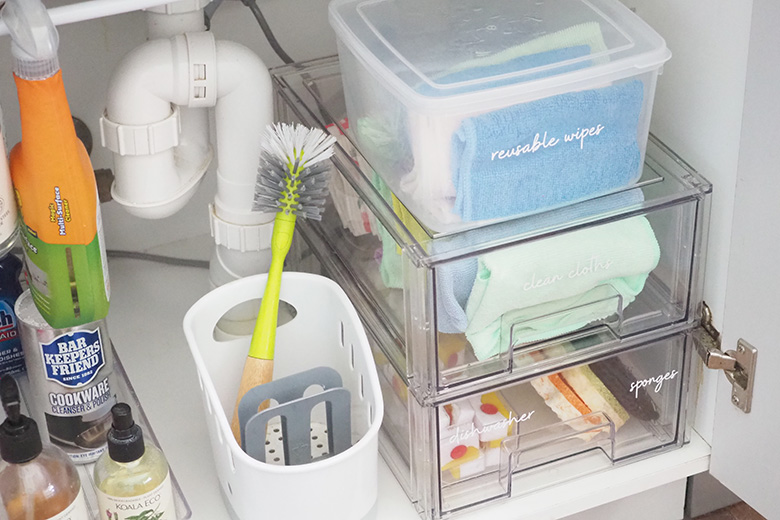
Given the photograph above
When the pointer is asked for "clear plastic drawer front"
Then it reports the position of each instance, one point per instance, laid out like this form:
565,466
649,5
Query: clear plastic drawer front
463,308
538,431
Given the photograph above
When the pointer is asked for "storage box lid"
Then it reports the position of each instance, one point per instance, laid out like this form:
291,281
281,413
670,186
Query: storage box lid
447,51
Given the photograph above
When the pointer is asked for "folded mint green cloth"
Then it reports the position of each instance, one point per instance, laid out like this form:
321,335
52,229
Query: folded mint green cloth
556,285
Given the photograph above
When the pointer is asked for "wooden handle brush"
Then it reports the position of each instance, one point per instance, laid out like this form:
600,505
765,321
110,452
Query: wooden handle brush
292,181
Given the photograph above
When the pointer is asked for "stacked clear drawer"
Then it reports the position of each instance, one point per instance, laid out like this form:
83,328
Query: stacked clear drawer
557,340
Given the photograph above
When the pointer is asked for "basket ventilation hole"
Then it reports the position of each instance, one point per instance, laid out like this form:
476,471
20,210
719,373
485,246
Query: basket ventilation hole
239,321
341,334
362,388
352,356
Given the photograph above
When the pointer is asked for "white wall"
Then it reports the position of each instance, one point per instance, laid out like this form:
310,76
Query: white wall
698,113
744,451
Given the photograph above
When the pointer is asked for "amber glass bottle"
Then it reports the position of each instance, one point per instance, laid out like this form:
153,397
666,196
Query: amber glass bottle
37,482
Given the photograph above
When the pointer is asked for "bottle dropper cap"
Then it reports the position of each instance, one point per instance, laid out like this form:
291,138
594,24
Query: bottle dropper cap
20,440
125,438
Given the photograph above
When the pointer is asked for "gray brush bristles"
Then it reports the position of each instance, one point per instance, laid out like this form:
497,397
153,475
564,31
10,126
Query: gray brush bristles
293,176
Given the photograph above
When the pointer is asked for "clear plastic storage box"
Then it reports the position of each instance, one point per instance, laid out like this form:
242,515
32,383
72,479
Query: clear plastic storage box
475,110
568,410
462,309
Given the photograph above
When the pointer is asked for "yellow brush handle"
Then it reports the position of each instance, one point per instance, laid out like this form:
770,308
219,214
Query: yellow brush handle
259,365
264,335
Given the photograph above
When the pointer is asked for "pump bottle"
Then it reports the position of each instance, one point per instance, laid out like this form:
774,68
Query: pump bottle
37,482
132,477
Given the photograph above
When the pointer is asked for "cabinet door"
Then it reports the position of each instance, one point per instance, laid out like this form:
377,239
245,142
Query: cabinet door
745,454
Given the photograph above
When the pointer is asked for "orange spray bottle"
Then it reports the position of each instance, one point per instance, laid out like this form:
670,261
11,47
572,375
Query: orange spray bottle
54,181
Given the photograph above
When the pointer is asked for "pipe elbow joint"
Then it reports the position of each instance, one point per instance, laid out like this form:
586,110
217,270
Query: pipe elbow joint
157,168
188,71
141,87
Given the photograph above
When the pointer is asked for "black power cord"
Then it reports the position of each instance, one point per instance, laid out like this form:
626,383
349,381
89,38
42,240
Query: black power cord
208,12
269,35
258,14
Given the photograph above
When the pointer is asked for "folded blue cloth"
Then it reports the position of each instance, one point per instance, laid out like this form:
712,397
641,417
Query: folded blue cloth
455,279
547,153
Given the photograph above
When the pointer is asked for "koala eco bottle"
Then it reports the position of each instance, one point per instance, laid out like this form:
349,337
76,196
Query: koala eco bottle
37,481
132,478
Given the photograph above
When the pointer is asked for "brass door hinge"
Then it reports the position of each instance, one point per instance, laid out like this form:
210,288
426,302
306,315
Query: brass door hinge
739,365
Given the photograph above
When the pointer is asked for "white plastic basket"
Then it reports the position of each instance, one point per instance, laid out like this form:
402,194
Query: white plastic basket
325,331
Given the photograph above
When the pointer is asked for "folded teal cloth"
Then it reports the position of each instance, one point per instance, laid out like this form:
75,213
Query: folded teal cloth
549,287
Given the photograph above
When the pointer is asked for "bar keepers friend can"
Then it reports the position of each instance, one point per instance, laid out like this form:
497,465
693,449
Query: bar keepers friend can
71,379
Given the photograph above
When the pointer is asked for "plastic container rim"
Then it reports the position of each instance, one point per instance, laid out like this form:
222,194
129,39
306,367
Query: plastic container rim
521,92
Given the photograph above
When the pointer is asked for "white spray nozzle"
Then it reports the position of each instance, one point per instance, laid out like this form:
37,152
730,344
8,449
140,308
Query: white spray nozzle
35,39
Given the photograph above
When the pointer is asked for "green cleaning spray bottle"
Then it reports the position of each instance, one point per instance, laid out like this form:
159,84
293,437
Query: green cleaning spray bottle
55,188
